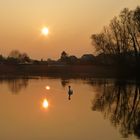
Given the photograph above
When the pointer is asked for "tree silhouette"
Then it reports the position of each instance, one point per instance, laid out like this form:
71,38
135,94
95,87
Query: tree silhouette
64,56
16,57
121,37
14,54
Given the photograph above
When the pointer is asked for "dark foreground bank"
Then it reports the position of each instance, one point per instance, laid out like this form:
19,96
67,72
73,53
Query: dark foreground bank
89,70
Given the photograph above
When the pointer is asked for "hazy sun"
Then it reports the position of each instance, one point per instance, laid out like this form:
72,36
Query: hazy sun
45,31
45,104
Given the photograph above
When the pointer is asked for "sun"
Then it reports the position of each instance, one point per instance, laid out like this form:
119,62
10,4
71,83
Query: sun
45,31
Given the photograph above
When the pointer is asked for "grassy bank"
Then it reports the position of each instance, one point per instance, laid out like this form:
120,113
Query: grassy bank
89,70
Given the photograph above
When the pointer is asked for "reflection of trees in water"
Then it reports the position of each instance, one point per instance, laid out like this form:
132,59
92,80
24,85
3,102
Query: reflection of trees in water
64,82
16,85
120,102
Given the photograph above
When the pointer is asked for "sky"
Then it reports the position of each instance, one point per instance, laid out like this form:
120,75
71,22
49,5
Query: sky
70,23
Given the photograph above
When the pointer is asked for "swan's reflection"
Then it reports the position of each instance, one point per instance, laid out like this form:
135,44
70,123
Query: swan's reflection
70,92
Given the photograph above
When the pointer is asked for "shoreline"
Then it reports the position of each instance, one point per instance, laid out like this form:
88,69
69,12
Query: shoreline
101,71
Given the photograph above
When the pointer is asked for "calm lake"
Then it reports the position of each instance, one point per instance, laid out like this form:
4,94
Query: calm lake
40,108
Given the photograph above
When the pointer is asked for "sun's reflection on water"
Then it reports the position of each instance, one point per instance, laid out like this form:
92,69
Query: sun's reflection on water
48,87
45,103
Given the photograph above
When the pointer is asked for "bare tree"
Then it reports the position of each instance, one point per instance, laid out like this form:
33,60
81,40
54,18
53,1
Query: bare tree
15,54
20,57
122,36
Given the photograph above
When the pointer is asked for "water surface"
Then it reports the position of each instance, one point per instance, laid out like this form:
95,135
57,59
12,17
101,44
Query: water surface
98,109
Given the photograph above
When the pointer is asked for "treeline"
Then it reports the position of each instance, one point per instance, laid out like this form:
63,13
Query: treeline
16,57
66,59
120,40
102,59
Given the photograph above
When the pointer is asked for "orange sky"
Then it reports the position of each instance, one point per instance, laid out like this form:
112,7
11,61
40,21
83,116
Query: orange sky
71,22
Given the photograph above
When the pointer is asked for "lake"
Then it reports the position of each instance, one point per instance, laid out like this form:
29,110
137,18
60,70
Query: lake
40,108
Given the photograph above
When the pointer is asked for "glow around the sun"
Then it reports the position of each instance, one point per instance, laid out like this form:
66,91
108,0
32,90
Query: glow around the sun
45,31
